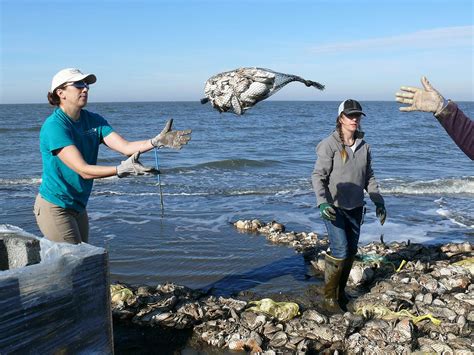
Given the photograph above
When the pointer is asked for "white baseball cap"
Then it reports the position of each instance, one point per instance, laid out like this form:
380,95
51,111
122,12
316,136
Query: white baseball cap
71,75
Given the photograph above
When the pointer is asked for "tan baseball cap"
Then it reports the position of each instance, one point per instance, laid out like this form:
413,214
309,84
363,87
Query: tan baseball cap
71,75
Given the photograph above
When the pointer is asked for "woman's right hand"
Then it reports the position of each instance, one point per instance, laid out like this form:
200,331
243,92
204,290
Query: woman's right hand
327,211
132,166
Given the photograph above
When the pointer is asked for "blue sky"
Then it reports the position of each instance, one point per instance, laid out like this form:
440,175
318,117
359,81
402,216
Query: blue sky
166,50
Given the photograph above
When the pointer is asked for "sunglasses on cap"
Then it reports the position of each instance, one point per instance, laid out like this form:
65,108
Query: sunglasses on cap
79,84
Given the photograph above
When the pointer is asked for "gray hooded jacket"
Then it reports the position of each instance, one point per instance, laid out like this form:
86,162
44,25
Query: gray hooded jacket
343,184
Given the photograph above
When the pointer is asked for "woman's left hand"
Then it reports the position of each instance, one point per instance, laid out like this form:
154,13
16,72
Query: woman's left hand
171,139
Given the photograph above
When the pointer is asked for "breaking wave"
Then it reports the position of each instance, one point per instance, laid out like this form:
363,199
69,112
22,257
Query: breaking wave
226,164
464,185
22,181
216,192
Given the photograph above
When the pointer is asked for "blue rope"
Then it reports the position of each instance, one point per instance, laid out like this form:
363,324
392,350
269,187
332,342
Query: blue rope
159,179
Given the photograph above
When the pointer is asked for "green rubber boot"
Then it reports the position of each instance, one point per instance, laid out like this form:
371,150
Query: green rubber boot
346,270
332,276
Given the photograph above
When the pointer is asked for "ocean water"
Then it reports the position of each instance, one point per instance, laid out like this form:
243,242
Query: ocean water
255,166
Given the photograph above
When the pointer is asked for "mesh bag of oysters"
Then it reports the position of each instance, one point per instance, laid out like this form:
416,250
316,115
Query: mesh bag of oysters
240,89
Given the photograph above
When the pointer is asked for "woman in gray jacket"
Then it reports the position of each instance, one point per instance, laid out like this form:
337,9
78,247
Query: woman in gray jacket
342,172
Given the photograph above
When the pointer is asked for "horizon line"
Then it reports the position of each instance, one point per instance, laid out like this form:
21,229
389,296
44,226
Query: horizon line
197,101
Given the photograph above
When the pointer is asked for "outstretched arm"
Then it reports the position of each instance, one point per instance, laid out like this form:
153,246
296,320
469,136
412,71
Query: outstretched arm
72,157
166,138
116,142
459,127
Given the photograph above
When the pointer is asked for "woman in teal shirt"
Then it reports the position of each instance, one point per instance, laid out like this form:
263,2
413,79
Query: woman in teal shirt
69,144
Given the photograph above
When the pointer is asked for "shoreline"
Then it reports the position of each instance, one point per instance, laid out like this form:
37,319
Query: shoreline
402,291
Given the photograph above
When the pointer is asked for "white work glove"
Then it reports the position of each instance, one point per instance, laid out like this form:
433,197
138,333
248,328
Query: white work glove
427,99
171,139
132,166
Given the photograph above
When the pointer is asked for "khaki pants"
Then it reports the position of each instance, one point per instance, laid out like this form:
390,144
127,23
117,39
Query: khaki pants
63,225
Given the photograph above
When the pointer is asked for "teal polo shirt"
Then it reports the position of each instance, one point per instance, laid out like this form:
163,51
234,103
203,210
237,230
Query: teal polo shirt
61,185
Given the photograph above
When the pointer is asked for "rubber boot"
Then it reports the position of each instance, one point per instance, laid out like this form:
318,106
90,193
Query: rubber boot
332,276
346,270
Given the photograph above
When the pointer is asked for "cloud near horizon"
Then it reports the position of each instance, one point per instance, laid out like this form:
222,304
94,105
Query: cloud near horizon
459,36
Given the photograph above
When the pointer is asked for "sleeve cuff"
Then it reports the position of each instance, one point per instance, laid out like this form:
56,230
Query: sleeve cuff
441,111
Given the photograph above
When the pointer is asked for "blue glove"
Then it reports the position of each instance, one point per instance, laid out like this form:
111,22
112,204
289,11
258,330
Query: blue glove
327,211
380,212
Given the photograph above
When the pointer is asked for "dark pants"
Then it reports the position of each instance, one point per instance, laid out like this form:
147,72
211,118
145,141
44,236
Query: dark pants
344,232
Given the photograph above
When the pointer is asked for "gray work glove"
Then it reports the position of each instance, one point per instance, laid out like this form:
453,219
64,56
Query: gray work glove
427,99
132,166
171,139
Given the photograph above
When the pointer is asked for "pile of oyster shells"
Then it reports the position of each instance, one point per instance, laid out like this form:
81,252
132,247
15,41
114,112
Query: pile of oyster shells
411,298
307,243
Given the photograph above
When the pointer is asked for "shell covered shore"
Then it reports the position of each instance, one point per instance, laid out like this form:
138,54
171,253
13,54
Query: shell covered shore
407,298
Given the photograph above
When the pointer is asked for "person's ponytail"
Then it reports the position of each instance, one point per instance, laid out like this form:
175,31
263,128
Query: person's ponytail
343,150
53,99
